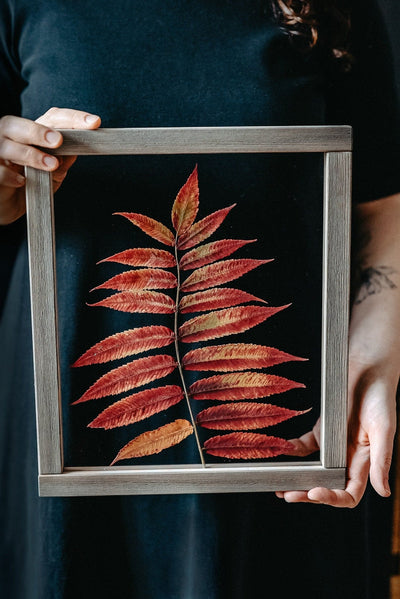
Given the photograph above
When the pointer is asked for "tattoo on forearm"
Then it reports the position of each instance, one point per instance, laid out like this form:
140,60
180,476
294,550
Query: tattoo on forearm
368,280
373,280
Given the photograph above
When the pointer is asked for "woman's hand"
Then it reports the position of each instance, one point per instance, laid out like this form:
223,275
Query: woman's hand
372,425
374,362
18,138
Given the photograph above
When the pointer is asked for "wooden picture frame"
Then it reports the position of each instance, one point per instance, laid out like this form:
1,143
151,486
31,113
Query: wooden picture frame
335,142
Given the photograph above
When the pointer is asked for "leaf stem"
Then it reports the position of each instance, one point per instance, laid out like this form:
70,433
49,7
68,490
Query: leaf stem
178,357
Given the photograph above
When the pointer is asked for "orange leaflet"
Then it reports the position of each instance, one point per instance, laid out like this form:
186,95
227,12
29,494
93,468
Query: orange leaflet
212,299
210,252
186,204
138,407
235,356
225,322
146,278
143,257
151,227
224,314
244,416
155,441
219,273
241,385
201,230
246,446
150,302
129,376
127,343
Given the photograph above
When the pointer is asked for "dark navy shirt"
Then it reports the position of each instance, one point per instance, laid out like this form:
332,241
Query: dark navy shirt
161,64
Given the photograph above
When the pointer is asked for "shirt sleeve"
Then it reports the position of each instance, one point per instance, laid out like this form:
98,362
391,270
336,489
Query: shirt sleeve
366,99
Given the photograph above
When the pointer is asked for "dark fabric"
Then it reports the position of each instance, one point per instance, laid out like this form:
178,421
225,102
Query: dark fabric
181,63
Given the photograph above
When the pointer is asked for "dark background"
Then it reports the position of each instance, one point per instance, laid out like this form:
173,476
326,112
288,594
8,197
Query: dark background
9,235
391,10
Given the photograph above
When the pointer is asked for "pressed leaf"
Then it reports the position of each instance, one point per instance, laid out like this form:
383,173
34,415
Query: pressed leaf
130,376
201,230
155,441
150,302
235,356
151,227
241,385
127,343
225,322
143,257
186,204
138,407
244,416
246,446
212,299
219,273
210,252
146,278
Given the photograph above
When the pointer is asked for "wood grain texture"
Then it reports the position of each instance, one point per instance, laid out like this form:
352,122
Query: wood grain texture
53,480
188,479
208,140
336,290
41,245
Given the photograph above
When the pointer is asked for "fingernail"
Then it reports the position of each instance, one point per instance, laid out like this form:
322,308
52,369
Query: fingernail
53,137
50,161
91,119
20,179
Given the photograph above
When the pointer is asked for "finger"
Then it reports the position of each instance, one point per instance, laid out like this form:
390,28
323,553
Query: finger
295,497
65,164
28,132
304,445
68,118
60,174
10,177
321,495
27,155
357,477
333,497
381,449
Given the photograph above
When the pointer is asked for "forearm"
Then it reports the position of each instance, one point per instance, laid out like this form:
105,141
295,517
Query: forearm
375,320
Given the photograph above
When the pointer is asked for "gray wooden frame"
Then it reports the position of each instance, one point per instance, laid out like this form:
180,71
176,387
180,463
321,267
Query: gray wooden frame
56,480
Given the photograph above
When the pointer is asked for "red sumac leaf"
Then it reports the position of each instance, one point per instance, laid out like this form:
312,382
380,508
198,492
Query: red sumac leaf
150,302
219,273
127,343
212,299
210,252
225,322
153,442
244,416
201,230
143,257
138,407
186,204
241,385
235,356
151,227
246,446
129,376
146,278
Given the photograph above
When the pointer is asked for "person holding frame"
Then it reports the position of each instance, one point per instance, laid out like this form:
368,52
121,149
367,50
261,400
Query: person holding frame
230,63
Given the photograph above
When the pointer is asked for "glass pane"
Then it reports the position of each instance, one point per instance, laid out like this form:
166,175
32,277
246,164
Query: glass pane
277,213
